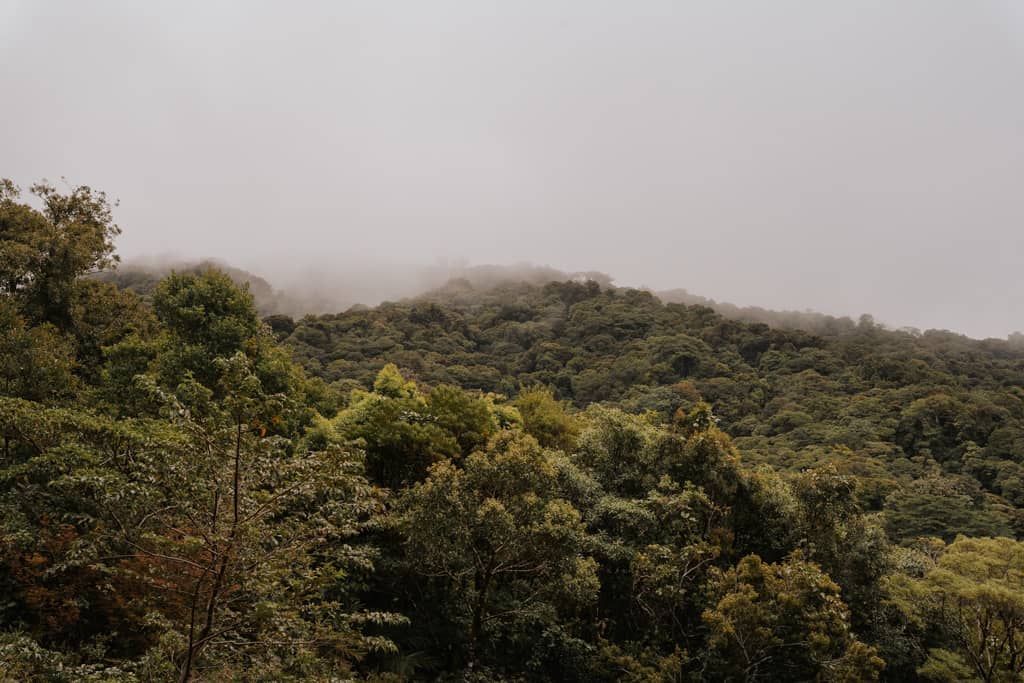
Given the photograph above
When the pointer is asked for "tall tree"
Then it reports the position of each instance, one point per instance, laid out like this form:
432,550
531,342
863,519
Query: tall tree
501,536
782,622
972,597
44,251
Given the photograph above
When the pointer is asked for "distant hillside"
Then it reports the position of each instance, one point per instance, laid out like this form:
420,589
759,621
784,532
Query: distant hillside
891,406
811,321
339,291
142,278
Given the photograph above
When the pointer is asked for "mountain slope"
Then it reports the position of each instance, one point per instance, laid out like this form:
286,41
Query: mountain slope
933,414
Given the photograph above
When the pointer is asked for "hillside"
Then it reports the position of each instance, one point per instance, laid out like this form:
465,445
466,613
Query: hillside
319,291
925,413
536,481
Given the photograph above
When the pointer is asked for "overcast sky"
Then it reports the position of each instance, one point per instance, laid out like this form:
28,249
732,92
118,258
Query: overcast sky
843,156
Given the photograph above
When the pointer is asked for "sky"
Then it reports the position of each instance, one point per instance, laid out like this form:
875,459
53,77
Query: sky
848,157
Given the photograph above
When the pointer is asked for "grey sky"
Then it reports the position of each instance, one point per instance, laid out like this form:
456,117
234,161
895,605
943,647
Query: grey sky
844,156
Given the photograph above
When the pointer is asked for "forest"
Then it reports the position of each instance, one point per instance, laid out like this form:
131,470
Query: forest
495,480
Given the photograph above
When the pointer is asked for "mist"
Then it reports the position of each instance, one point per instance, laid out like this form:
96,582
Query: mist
862,157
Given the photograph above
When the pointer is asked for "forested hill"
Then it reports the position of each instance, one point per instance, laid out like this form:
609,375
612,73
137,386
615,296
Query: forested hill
142,278
560,481
927,415
338,289
327,294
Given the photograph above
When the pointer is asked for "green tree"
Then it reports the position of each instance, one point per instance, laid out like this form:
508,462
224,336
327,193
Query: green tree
498,532
36,362
211,544
251,537
469,419
394,426
972,598
206,317
945,506
836,535
547,419
782,622
44,252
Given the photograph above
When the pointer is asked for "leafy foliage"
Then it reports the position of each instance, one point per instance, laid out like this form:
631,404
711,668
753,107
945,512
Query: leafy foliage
970,601
782,622
556,482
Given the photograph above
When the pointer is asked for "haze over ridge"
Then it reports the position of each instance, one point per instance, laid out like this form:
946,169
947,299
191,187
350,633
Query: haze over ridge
753,154
334,293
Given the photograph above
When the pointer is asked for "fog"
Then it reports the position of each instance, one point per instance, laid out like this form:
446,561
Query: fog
844,157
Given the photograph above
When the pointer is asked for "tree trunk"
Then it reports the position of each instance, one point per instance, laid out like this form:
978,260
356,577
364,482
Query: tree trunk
195,646
479,607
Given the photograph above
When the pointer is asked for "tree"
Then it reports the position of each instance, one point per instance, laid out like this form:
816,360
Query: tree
55,586
191,519
972,597
36,362
211,543
500,535
469,419
206,317
45,251
405,429
393,425
667,570
944,506
626,453
782,622
246,536
546,419
840,539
